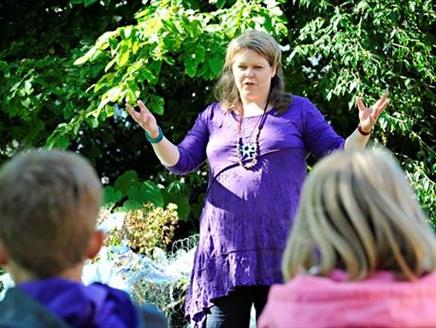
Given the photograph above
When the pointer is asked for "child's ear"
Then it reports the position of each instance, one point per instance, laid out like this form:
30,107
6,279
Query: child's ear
95,244
3,255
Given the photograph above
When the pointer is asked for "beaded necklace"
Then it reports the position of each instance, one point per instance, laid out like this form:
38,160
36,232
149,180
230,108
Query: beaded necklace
249,150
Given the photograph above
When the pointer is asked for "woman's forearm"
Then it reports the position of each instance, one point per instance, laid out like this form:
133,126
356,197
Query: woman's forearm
356,141
167,152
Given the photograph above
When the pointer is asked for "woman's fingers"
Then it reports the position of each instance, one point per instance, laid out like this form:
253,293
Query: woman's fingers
140,117
381,104
142,107
360,104
143,117
377,108
380,109
134,114
385,102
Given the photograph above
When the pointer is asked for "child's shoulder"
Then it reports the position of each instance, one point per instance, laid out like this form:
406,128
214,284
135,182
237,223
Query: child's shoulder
21,310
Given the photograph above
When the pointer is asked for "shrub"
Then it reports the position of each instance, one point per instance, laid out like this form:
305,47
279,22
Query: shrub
147,228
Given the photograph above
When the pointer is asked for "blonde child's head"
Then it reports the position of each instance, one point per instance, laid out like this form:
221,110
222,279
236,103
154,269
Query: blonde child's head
358,213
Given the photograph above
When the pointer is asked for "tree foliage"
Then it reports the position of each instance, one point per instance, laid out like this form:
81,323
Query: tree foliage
368,47
42,94
66,85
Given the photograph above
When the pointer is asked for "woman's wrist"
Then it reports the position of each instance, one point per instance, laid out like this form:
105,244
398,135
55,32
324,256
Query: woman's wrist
154,138
154,133
362,131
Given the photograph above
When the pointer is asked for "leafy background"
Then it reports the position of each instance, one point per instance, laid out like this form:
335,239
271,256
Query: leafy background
67,69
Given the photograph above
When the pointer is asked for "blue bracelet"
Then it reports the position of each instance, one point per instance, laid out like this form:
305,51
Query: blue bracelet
159,137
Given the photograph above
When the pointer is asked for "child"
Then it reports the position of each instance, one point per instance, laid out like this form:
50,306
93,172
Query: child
361,253
49,202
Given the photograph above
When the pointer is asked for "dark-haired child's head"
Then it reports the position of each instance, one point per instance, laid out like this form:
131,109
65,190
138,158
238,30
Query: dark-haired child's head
49,201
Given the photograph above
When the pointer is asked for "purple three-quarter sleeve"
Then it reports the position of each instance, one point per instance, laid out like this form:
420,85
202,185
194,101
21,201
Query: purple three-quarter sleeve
193,147
319,136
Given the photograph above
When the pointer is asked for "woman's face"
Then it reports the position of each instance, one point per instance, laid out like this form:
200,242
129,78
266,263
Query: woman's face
252,74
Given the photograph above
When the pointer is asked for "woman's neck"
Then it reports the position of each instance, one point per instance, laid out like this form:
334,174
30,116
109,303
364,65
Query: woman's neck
254,108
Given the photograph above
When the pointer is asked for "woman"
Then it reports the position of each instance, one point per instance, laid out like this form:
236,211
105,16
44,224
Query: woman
360,254
256,140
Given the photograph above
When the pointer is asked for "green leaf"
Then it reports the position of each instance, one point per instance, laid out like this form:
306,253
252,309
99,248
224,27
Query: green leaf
146,74
91,53
123,57
156,104
353,86
191,68
176,193
92,121
183,206
112,95
130,205
126,181
4,67
215,65
200,52
111,195
28,87
146,192
109,111
126,32
220,3
109,65
61,142
89,2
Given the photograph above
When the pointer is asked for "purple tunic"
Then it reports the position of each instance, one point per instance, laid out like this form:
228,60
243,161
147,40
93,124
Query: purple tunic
247,214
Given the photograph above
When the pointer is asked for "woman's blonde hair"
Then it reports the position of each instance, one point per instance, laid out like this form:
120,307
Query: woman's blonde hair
358,213
266,46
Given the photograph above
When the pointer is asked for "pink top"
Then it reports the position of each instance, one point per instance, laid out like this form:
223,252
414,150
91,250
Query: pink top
379,301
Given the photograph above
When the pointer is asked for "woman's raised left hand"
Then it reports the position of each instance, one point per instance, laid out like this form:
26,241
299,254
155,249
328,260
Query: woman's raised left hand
368,116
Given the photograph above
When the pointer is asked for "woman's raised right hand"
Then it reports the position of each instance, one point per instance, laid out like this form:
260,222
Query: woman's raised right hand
144,118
